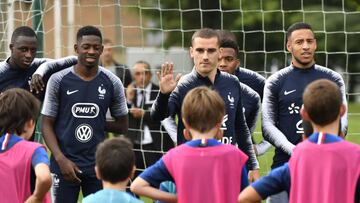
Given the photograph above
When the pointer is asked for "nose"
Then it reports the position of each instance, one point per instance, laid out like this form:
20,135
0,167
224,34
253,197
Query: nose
222,63
306,45
28,54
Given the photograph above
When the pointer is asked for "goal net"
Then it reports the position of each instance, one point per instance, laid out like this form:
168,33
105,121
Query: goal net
160,30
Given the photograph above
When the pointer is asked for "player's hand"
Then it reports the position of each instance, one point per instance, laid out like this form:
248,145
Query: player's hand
167,82
69,169
36,84
137,112
253,175
130,93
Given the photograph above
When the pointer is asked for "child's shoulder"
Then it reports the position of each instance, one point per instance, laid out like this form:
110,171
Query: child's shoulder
105,195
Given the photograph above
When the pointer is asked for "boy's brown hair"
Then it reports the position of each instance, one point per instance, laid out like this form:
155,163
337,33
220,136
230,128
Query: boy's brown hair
202,109
322,101
17,106
115,159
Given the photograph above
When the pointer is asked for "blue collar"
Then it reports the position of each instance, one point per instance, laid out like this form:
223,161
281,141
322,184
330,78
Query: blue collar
329,138
208,143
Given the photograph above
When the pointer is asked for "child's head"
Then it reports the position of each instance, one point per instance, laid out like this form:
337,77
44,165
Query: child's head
19,110
322,102
203,109
115,160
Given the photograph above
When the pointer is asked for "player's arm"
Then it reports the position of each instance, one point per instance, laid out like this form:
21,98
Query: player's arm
120,125
49,113
269,115
49,67
344,118
278,180
251,114
167,83
40,163
243,139
148,182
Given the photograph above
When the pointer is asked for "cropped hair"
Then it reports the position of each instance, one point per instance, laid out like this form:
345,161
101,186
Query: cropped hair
115,159
88,30
228,43
297,26
148,67
206,33
202,109
322,101
22,31
17,106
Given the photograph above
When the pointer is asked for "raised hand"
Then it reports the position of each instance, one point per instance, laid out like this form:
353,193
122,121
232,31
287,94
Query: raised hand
167,82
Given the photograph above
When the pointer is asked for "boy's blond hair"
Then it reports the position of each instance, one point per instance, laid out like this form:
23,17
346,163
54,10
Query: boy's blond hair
202,109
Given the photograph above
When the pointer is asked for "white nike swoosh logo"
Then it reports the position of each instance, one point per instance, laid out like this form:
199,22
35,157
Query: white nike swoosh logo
71,92
289,92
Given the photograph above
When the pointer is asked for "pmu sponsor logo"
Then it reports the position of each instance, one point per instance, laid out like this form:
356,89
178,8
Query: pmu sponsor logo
85,110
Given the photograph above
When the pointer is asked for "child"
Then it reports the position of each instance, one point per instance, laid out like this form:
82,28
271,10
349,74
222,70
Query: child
203,169
19,110
324,167
115,165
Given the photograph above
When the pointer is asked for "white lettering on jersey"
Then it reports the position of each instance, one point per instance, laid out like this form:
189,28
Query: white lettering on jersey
85,110
223,124
299,128
226,140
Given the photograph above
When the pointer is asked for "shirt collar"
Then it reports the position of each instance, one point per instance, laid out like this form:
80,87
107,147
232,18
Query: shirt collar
196,143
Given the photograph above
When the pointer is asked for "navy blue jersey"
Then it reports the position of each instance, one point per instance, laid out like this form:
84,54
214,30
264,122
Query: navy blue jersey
251,106
234,125
281,120
79,108
251,79
11,77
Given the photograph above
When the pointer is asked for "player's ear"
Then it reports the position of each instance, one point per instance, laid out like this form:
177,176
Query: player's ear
288,45
342,110
191,50
76,48
98,176
132,173
304,114
11,46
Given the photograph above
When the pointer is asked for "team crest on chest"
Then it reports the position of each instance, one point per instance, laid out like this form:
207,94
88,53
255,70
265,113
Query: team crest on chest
231,99
102,91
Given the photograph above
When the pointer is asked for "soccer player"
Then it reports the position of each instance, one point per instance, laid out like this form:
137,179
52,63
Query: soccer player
198,166
19,110
115,166
76,101
18,69
281,120
205,53
229,62
324,167
108,61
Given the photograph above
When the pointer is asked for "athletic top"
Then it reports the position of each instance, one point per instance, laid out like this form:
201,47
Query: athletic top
11,77
288,177
252,79
234,125
251,106
192,161
281,120
79,108
16,158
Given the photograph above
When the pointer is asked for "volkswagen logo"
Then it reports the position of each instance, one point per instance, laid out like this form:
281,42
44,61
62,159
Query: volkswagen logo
83,133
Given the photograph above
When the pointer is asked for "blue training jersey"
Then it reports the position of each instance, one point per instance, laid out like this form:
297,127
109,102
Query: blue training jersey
281,120
252,79
251,106
79,108
234,125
